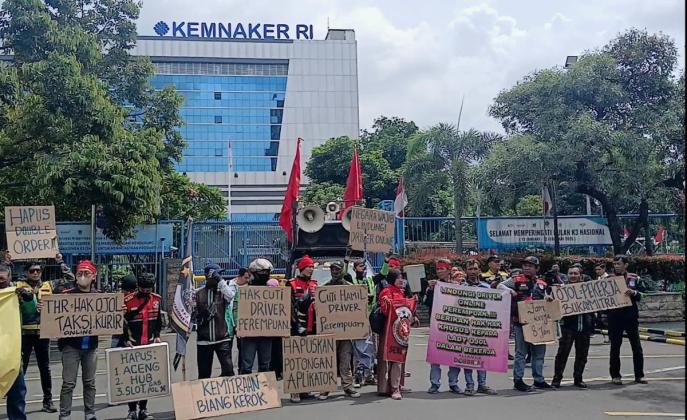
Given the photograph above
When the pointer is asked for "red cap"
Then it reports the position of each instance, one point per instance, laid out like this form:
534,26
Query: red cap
86,265
394,263
444,265
305,262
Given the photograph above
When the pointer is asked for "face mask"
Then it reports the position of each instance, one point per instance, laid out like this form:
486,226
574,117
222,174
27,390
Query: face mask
359,275
143,294
83,281
403,284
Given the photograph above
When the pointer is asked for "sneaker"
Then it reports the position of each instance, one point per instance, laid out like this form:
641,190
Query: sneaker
295,398
323,396
352,393
542,385
143,415
371,380
522,386
617,381
433,389
469,391
641,380
455,389
486,390
510,357
580,384
49,407
396,395
132,415
556,384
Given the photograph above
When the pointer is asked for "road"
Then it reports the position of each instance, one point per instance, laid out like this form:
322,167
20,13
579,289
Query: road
665,393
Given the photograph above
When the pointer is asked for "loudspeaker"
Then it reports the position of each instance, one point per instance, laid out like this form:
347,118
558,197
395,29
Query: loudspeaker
331,235
310,219
346,219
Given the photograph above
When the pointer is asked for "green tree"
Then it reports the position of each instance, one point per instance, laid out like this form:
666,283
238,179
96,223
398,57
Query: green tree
606,124
182,198
80,124
319,194
389,136
529,205
444,149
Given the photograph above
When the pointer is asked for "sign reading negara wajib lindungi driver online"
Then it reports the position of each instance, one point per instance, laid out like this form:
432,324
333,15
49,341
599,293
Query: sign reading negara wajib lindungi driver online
237,30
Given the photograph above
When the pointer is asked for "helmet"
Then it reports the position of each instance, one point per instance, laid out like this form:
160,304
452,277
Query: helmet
260,264
128,283
146,280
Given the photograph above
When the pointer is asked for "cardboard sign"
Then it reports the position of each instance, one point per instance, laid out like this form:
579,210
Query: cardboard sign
137,373
371,230
592,296
309,364
415,273
469,327
264,311
539,320
222,396
82,314
31,232
342,311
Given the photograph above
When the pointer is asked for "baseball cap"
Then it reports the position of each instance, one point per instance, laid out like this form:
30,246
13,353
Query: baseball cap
531,260
493,257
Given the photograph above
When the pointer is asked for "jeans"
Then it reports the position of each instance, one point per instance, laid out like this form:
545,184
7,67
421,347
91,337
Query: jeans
538,352
16,399
481,379
344,355
30,342
581,342
250,346
71,359
364,355
615,334
435,375
205,358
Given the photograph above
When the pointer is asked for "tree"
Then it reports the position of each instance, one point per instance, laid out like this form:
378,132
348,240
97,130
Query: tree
80,124
606,124
529,205
389,136
443,149
182,198
319,194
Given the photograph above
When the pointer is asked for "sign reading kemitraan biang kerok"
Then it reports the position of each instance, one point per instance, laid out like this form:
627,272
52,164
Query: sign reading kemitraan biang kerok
31,232
371,230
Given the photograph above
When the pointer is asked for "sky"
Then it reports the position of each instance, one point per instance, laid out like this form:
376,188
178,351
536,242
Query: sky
417,59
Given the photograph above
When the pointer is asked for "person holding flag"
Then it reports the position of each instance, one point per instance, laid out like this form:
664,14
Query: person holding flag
183,302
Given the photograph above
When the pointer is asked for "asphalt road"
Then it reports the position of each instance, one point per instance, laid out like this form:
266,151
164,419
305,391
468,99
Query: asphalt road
663,396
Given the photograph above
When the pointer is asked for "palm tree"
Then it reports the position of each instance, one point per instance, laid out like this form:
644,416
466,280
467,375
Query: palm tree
443,151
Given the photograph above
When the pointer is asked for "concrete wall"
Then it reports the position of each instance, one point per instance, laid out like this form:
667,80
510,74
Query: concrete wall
661,307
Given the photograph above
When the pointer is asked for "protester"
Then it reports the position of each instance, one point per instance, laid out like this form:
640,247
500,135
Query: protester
232,311
602,316
31,322
457,275
16,395
443,268
364,348
260,269
526,287
560,277
344,348
472,269
494,275
380,278
577,330
127,284
142,326
626,320
213,334
303,296
390,373
81,351
600,271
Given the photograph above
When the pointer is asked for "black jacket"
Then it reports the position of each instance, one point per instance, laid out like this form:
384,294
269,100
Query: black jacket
583,323
627,313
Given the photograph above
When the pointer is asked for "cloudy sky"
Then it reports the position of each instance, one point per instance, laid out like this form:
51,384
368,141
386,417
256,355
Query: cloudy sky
416,59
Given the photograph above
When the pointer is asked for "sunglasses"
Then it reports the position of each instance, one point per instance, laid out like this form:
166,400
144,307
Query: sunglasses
34,270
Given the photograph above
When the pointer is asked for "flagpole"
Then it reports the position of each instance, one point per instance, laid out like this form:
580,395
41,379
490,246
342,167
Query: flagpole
231,169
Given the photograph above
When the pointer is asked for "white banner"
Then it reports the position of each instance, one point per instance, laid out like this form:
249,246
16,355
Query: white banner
533,231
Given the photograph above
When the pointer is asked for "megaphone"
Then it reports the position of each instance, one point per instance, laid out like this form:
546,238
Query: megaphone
346,219
310,219
332,207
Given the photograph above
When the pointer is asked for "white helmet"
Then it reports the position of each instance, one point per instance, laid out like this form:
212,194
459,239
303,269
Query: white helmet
260,264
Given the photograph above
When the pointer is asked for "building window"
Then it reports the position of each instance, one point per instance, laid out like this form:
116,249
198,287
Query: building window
218,119
218,96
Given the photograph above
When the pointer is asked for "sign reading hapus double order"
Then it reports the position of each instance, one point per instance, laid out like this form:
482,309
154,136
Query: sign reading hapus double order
31,232
309,364
371,230
264,311
539,320
222,396
82,314
342,311
137,373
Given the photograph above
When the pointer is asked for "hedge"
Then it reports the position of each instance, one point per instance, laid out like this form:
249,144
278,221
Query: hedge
665,272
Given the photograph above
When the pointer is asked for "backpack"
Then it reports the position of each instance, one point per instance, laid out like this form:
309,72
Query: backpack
377,320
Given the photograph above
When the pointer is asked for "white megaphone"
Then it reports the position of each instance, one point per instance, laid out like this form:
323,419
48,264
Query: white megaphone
310,219
346,219
332,208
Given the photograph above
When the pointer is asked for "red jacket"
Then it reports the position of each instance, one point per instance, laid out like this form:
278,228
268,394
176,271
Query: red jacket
303,292
142,318
392,293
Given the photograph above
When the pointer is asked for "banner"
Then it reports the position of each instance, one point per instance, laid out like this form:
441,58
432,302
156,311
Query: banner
222,396
309,364
469,327
539,320
521,232
592,296
371,230
82,314
342,311
31,232
10,337
264,312
397,330
75,238
137,373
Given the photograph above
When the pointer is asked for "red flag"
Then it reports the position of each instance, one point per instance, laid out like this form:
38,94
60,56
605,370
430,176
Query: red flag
354,185
291,197
660,235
